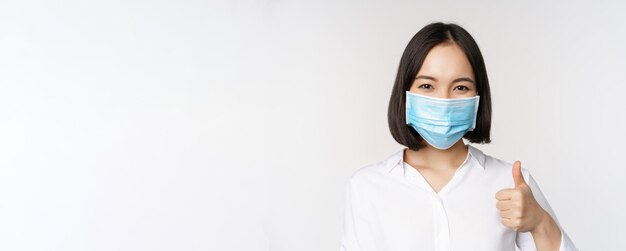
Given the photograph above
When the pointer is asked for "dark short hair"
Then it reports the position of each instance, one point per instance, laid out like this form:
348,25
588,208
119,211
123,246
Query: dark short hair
411,62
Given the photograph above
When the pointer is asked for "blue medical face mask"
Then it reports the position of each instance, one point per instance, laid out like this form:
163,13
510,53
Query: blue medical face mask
441,122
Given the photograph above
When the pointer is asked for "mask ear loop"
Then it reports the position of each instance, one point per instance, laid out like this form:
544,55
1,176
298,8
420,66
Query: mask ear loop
475,113
406,109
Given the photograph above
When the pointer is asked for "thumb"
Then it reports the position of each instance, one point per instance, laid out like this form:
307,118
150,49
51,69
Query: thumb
517,174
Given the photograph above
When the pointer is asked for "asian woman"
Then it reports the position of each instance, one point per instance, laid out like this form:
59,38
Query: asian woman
437,192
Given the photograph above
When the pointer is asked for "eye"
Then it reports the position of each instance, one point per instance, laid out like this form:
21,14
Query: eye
461,88
425,86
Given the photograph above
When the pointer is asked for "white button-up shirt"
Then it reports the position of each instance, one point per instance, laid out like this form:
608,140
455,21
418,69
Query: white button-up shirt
391,207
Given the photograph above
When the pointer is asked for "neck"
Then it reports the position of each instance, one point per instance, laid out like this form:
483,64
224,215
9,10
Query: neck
437,159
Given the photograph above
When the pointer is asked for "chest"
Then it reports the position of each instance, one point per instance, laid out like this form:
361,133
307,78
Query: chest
410,217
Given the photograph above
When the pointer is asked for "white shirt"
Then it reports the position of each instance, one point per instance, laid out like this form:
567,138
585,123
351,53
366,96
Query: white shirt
391,207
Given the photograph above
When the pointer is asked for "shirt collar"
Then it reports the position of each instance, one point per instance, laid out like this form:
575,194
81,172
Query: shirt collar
397,158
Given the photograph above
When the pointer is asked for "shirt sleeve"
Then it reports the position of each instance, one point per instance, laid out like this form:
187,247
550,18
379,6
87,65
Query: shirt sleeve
525,241
357,234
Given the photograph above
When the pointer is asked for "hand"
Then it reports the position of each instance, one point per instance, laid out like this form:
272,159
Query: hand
518,208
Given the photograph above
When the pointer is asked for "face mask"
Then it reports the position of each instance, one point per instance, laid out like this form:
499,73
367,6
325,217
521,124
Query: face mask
441,122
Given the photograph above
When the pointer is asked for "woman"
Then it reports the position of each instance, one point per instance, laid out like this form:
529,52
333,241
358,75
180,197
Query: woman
438,193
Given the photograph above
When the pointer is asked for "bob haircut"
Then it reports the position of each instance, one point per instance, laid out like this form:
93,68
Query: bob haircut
410,64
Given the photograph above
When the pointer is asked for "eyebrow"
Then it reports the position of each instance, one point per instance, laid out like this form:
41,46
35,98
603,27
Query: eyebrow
455,81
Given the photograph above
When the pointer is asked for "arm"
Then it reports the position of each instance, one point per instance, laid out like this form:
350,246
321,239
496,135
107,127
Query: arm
548,234
356,230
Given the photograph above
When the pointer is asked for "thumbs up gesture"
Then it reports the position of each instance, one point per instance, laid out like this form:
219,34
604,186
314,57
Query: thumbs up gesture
518,208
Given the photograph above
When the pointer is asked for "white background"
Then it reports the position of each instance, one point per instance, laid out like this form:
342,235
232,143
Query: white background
234,125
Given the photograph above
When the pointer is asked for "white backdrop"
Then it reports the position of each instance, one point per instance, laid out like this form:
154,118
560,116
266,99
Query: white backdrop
234,125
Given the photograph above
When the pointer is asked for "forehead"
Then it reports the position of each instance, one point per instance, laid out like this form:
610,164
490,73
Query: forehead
446,60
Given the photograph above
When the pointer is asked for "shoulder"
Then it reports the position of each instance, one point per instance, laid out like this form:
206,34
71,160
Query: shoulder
499,167
377,170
